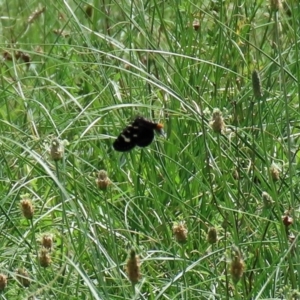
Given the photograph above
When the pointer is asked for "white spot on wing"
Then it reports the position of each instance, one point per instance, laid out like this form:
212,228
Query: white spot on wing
127,140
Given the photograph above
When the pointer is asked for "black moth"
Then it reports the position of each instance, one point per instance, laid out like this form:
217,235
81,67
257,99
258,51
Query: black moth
139,133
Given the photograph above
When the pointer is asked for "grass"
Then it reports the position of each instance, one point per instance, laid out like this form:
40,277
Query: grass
77,73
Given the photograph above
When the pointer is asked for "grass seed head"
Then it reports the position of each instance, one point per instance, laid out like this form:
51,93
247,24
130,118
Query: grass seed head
237,265
7,56
23,277
103,181
3,282
196,25
217,122
25,57
133,267
44,258
56,150
235,174
47,241
212,236
180,232
275,172
275,5
256,84
287,219
27,208
89,10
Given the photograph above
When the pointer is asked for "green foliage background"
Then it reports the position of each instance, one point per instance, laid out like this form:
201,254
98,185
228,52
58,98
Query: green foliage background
80,72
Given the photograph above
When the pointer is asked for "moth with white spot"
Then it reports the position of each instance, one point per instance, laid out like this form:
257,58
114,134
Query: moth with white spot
139,133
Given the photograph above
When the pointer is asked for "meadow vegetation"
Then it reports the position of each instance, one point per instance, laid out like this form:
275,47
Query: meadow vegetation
208,212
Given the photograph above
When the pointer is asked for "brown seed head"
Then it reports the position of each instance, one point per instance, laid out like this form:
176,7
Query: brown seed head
102,181
133,267
56,150
196,24
287,219
89,10
44,258
275,172
212,236
23,277
275,5
256,84
25,57
27,208
180,232
3,282
235,174
7,56
47,241
217,122
237,267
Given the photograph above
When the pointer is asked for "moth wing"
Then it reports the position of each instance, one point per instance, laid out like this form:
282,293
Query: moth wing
125,141
122,146
145,136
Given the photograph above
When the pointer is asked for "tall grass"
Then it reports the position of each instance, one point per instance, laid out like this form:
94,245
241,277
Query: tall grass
75,73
